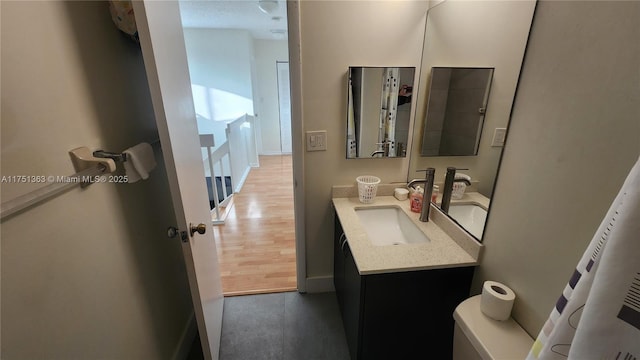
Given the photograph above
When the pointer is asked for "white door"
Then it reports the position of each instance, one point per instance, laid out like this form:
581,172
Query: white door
165,59
284,104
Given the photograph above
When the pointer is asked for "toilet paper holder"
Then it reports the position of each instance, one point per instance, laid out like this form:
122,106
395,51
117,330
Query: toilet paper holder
119,157
116,156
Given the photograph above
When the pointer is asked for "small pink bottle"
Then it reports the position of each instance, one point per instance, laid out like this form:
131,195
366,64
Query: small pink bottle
416,199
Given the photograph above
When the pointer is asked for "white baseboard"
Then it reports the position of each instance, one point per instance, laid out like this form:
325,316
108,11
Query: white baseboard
320,284
226,201
186,339
242,180
269,153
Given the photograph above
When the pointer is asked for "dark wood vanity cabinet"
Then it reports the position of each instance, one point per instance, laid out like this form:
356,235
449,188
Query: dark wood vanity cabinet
399,315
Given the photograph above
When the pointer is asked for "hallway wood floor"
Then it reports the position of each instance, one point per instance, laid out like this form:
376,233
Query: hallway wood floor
256,245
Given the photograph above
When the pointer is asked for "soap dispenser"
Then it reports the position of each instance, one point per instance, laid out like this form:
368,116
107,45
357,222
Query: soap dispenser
417,199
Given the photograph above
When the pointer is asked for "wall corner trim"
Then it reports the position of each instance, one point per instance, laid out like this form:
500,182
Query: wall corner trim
186,339
320,284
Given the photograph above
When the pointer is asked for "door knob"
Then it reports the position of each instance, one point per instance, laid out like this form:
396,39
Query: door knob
200,229
172,232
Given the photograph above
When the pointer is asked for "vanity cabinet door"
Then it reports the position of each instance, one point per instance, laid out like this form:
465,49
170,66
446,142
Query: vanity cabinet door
353,304
338,263
409,315
348,283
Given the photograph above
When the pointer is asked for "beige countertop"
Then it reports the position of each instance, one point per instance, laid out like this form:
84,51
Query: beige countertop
454,248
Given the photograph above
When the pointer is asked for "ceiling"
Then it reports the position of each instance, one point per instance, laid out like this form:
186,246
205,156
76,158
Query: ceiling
235,14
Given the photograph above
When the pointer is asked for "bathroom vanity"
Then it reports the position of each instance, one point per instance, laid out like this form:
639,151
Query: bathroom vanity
397,301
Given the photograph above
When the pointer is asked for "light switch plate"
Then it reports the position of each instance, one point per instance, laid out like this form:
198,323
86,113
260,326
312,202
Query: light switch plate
499,135
317,140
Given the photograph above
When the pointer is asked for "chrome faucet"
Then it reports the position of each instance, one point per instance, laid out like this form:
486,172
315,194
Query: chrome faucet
383,149
428,189
449,180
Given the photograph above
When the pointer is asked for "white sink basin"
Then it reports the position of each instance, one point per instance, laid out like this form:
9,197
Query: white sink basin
471,216
389,226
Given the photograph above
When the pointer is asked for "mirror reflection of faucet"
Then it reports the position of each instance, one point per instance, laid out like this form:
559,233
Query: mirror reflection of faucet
384,149
449,180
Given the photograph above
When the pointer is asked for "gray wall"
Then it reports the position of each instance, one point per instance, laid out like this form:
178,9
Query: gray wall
89,274
574,135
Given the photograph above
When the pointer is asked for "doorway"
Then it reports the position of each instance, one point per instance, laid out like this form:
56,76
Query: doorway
256,244
235,73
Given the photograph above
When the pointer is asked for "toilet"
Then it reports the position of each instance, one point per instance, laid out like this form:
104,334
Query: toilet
478,337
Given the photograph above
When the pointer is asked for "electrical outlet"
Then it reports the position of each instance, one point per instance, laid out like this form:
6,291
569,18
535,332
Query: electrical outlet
499,135
317,140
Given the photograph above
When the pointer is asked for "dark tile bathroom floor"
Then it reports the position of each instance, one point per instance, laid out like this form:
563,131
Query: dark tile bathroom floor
282,326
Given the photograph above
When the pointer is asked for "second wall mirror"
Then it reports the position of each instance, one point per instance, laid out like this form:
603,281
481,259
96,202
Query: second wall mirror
456,107
484,40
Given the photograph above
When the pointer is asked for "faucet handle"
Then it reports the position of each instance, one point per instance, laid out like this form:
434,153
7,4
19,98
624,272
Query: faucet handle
428,170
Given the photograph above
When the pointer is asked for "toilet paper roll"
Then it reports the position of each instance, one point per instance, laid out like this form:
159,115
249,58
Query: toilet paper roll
497,300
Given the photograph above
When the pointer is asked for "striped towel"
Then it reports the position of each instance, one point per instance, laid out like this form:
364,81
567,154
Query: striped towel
598,314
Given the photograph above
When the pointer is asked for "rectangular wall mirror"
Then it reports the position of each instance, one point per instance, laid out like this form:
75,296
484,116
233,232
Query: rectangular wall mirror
483,39
456,107
379,111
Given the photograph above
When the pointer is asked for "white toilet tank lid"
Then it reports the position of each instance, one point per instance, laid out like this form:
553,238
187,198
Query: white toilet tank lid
493,339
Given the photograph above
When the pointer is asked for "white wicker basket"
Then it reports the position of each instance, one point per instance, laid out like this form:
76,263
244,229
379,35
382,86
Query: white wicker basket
367,188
